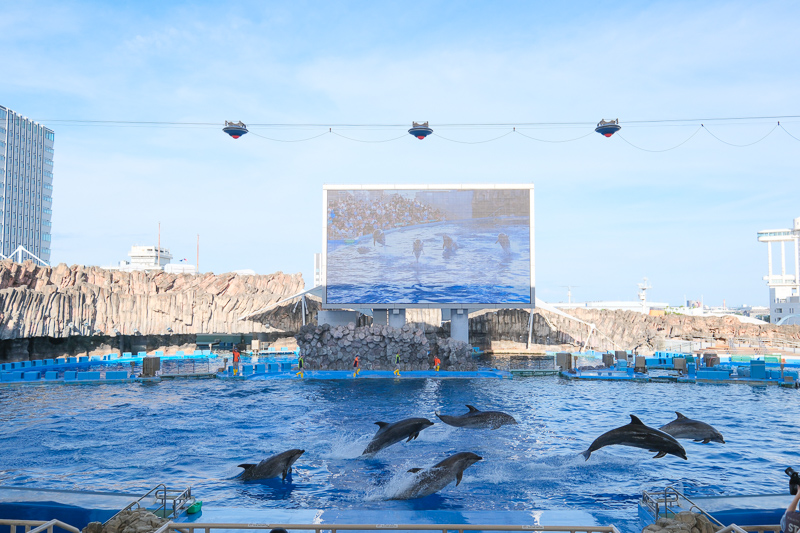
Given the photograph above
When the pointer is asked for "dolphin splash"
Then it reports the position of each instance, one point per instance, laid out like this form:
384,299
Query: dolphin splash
638,435
505,242
476,419
277,465
433,479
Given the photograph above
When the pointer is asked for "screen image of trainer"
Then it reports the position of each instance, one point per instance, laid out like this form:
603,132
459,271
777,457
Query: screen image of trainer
429,247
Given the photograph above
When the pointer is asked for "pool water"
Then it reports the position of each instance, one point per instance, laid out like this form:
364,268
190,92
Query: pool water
129,437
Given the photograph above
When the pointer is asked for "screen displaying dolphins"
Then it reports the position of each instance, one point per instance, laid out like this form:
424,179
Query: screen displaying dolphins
428,247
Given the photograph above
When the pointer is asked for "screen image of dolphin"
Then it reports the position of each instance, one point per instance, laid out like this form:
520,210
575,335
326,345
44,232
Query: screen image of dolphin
389,434
433,479
476,419
638,435
686,428
277,465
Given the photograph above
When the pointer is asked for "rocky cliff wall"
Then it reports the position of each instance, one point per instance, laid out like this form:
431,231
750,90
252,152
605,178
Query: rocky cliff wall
64,301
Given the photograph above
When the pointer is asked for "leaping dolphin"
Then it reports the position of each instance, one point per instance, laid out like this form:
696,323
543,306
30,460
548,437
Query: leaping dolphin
638,435
686,428
389,434
504,241
448,244
378,236
476,419
277,465
437,477
418,248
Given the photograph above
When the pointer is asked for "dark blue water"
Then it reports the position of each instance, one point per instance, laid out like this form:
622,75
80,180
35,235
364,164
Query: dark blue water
130,437
478,270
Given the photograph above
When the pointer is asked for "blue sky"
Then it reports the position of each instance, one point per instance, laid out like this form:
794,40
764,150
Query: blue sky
607,214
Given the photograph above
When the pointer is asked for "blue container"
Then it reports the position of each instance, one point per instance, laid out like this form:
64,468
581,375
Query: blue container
31,376
37,362
96,357
261,368
247,369
88,376
206,352
12,376
83,359
69,375
691,368
72,359
758,370
16,365
141,354
273,367
622,365
127,355
116,374
51,374
198,352
713,374
159,353
48,362
6,366
286,366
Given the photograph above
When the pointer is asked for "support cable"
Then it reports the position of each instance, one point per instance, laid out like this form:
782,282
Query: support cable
290,141
365,141
474,142
787,132
664,150
741,145
548,141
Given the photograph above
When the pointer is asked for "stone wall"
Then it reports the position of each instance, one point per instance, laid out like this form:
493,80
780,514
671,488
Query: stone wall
65,301
334,348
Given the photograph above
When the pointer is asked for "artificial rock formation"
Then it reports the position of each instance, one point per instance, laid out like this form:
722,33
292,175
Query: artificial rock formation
684,522
334,348
65,301
134,521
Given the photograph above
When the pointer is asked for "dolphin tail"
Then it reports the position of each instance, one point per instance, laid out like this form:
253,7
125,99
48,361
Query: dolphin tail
659,455
586,455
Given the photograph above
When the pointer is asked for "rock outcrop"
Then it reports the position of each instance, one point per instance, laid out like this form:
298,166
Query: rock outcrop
64,301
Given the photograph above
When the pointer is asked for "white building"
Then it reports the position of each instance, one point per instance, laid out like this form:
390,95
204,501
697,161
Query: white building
784,288
26,185
153,258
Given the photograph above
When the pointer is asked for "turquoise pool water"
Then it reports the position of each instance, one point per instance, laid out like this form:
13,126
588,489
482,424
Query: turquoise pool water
128,437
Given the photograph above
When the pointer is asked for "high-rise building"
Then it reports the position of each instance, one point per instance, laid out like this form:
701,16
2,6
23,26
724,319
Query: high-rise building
26,175
784,288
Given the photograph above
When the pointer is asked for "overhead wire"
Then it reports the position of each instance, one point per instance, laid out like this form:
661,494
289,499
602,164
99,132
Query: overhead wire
741,145
787,132
665,149
474,142
290,140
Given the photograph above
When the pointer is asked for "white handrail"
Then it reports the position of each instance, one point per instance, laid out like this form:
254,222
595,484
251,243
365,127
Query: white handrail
206,527
41,525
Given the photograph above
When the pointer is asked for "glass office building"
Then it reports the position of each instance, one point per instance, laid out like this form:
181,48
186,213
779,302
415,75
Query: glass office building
26,175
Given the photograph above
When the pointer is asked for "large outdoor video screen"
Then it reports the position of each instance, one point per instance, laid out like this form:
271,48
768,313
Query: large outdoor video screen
448,246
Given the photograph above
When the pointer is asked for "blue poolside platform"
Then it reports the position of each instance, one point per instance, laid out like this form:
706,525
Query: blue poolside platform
366,374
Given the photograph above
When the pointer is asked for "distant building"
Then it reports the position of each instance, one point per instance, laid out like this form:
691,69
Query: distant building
26,176
153,258
784,289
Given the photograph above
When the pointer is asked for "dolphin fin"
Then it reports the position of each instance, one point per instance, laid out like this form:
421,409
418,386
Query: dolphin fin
413,436
414,470
706,441
635,420
381,424
659,455
437,413
286,472
586,454
458,478
246,466
473,409
679,415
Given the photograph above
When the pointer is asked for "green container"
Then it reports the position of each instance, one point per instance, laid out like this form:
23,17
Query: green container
195,507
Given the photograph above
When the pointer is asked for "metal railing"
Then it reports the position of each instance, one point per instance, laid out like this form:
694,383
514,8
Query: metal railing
776,528
38,526
162,495
194,527
671,497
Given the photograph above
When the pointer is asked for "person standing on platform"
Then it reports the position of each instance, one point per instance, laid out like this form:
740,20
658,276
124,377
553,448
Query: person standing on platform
397,365
300,364
236,357
356,368
436,363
